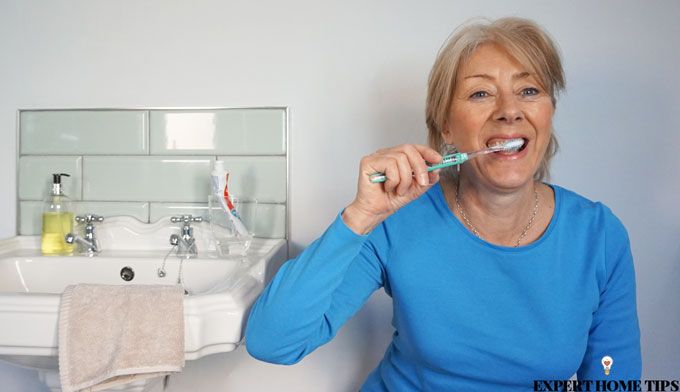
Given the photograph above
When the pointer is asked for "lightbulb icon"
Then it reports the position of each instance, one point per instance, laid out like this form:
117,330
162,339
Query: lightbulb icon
607,363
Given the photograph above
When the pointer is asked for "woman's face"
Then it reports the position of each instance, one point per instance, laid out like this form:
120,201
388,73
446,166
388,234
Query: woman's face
496,98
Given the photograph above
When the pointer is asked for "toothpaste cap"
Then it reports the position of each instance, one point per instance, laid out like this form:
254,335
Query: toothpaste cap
218,166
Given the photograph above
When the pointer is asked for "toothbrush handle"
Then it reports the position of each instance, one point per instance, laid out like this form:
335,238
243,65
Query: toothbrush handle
448,160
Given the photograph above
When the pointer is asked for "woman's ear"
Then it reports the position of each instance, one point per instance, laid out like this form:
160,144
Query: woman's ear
446,134
447,147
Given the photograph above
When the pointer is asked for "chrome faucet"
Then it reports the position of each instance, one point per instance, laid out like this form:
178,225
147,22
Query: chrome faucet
186,243
87,244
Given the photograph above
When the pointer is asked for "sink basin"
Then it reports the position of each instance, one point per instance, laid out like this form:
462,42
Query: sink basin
219,291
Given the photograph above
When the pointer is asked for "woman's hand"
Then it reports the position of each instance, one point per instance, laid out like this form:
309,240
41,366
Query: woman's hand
407,179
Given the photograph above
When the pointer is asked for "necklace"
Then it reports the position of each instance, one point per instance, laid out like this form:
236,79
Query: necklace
476,232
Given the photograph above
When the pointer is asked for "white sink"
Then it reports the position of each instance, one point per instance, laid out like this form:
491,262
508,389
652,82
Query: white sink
219,291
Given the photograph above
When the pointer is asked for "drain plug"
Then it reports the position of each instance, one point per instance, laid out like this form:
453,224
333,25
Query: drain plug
127,274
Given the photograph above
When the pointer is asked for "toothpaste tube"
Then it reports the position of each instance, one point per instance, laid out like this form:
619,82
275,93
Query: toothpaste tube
219,178
234,217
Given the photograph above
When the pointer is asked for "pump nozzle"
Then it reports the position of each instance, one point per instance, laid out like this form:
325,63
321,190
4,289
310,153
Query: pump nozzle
56,177
56,183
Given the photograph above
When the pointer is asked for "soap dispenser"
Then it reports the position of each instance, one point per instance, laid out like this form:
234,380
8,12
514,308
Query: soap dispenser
57,220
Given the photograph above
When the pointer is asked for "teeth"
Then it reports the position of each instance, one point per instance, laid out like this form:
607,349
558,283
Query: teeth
507,145
513,145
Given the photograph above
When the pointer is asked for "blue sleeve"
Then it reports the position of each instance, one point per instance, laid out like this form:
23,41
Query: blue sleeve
313,295
614,330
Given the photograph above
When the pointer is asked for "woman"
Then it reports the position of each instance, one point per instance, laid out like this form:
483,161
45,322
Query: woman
497,278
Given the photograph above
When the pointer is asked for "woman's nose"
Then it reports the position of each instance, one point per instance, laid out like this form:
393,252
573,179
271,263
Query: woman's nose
508,109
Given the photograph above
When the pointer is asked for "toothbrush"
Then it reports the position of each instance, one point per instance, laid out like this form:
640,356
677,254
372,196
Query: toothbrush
461,157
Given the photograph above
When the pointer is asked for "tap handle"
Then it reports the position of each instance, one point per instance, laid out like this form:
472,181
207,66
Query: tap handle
89,218
178,219
186,219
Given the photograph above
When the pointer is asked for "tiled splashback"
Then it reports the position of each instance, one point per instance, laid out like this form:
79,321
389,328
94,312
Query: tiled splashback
151,164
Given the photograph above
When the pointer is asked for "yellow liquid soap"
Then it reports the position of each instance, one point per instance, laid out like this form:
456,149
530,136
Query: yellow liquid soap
55,227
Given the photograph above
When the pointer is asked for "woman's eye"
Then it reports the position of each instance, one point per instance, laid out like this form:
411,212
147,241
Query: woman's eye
479,94
529,92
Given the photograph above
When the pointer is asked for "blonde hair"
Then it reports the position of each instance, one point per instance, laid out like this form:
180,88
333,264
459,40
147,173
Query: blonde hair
523,40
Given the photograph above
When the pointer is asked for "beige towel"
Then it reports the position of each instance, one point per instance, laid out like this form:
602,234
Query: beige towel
111,335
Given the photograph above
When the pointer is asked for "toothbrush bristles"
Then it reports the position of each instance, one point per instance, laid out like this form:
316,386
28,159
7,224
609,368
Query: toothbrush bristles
510,145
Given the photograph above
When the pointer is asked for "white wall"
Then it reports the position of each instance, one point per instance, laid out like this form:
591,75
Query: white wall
353,74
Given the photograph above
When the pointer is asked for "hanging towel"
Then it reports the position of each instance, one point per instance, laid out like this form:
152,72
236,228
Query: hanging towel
111,335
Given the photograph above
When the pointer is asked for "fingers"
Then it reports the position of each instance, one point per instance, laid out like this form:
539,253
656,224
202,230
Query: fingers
428,153
416,155
417,162
403,165
397,170
433,176
392,173
405,173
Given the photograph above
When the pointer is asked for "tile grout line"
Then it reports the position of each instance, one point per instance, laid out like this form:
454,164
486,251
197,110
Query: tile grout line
82,177
147,129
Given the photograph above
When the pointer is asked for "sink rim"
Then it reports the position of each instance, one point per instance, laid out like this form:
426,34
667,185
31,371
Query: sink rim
21,260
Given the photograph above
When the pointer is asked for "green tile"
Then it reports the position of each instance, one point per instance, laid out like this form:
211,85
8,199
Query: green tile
35,176
129,178
260,178
270,221
60,132
30,217
216,132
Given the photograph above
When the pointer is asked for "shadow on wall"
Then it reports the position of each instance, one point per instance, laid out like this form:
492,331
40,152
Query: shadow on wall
18,379
373,324
610,153
659,313
605,142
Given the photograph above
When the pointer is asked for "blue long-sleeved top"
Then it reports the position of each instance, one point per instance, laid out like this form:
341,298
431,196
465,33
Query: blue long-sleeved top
468,315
